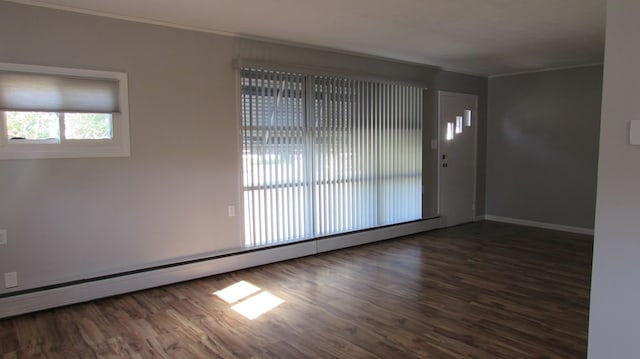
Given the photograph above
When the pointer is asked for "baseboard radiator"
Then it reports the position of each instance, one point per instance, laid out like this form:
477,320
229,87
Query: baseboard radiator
90,289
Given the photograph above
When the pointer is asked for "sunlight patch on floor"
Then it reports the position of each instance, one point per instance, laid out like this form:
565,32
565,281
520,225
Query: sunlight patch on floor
251,305
237,291
257,305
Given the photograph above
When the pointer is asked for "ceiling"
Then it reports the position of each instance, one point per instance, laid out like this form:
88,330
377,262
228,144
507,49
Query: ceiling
484,37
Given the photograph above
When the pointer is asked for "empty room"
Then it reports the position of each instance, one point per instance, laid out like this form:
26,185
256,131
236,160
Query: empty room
335,179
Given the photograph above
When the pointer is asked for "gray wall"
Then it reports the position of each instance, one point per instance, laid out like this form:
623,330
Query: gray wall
70,219
542,146
614,321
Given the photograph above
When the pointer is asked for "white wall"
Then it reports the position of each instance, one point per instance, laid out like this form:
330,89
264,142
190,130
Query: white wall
69,219
614,328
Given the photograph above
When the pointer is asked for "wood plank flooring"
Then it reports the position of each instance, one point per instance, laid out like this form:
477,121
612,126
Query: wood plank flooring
481,290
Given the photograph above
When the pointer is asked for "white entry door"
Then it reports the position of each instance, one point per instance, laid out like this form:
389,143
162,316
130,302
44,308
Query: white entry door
458,137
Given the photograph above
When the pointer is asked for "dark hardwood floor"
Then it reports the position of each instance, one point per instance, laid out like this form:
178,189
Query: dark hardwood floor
481,290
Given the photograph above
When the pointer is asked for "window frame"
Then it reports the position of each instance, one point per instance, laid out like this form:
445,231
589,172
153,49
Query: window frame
117,146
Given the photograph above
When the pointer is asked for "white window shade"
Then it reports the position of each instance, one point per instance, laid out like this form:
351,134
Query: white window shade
24,91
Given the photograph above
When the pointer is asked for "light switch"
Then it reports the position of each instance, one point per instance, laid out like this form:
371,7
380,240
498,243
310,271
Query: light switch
634,132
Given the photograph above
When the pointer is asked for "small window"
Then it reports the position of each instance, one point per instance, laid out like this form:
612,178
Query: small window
49,112
57,127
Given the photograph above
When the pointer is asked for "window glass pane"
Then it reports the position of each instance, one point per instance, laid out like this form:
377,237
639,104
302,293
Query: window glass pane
32,125
88,126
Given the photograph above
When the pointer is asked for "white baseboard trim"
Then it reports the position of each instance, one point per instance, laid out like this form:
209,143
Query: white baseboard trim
524,222
78,293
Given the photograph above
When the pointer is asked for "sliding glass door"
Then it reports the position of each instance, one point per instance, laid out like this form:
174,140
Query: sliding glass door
325,155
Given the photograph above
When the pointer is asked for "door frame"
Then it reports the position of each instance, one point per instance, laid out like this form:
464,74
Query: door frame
474,119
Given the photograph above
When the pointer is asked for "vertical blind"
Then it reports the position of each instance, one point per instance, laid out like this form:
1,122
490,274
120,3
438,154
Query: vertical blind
325,155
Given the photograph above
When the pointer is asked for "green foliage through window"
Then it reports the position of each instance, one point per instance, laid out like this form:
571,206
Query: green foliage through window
87,126
32,125
47,125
